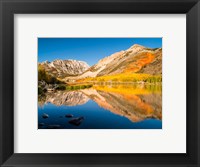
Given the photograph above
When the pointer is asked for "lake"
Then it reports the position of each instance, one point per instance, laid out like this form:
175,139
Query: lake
127,106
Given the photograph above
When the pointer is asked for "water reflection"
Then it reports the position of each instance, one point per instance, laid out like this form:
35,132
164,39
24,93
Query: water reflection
68,98
128,103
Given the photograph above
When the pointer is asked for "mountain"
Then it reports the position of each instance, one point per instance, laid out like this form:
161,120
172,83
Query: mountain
136,59
64,68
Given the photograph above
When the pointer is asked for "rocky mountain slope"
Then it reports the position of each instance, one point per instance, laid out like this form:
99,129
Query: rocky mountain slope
136,59
64,68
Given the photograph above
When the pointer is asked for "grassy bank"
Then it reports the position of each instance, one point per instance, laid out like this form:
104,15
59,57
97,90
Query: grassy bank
147,78
136,89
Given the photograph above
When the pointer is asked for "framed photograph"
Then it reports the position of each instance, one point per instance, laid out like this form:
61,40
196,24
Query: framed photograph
99,83
120,91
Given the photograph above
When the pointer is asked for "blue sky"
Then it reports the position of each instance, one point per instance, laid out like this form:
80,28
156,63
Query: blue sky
90,50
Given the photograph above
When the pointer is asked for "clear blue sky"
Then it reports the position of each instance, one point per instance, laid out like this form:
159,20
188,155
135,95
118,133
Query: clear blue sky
90,50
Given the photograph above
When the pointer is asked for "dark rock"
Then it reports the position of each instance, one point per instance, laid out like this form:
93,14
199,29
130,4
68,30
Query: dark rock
76,121
53,127
69,115
41,124
45,116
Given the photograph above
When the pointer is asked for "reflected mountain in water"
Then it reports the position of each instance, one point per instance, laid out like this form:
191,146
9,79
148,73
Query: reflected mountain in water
137,103
136,107
68,98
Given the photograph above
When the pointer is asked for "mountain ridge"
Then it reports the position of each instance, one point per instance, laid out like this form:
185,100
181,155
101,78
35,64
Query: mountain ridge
136,59
63,68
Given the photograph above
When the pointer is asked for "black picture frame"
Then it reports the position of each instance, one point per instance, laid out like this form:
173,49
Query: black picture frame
10,7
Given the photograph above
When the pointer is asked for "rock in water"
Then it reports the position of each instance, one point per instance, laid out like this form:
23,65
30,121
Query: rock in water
45,116
76,121
41,124
53,127
68,115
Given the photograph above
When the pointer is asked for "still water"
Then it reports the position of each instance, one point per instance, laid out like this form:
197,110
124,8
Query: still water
102,107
